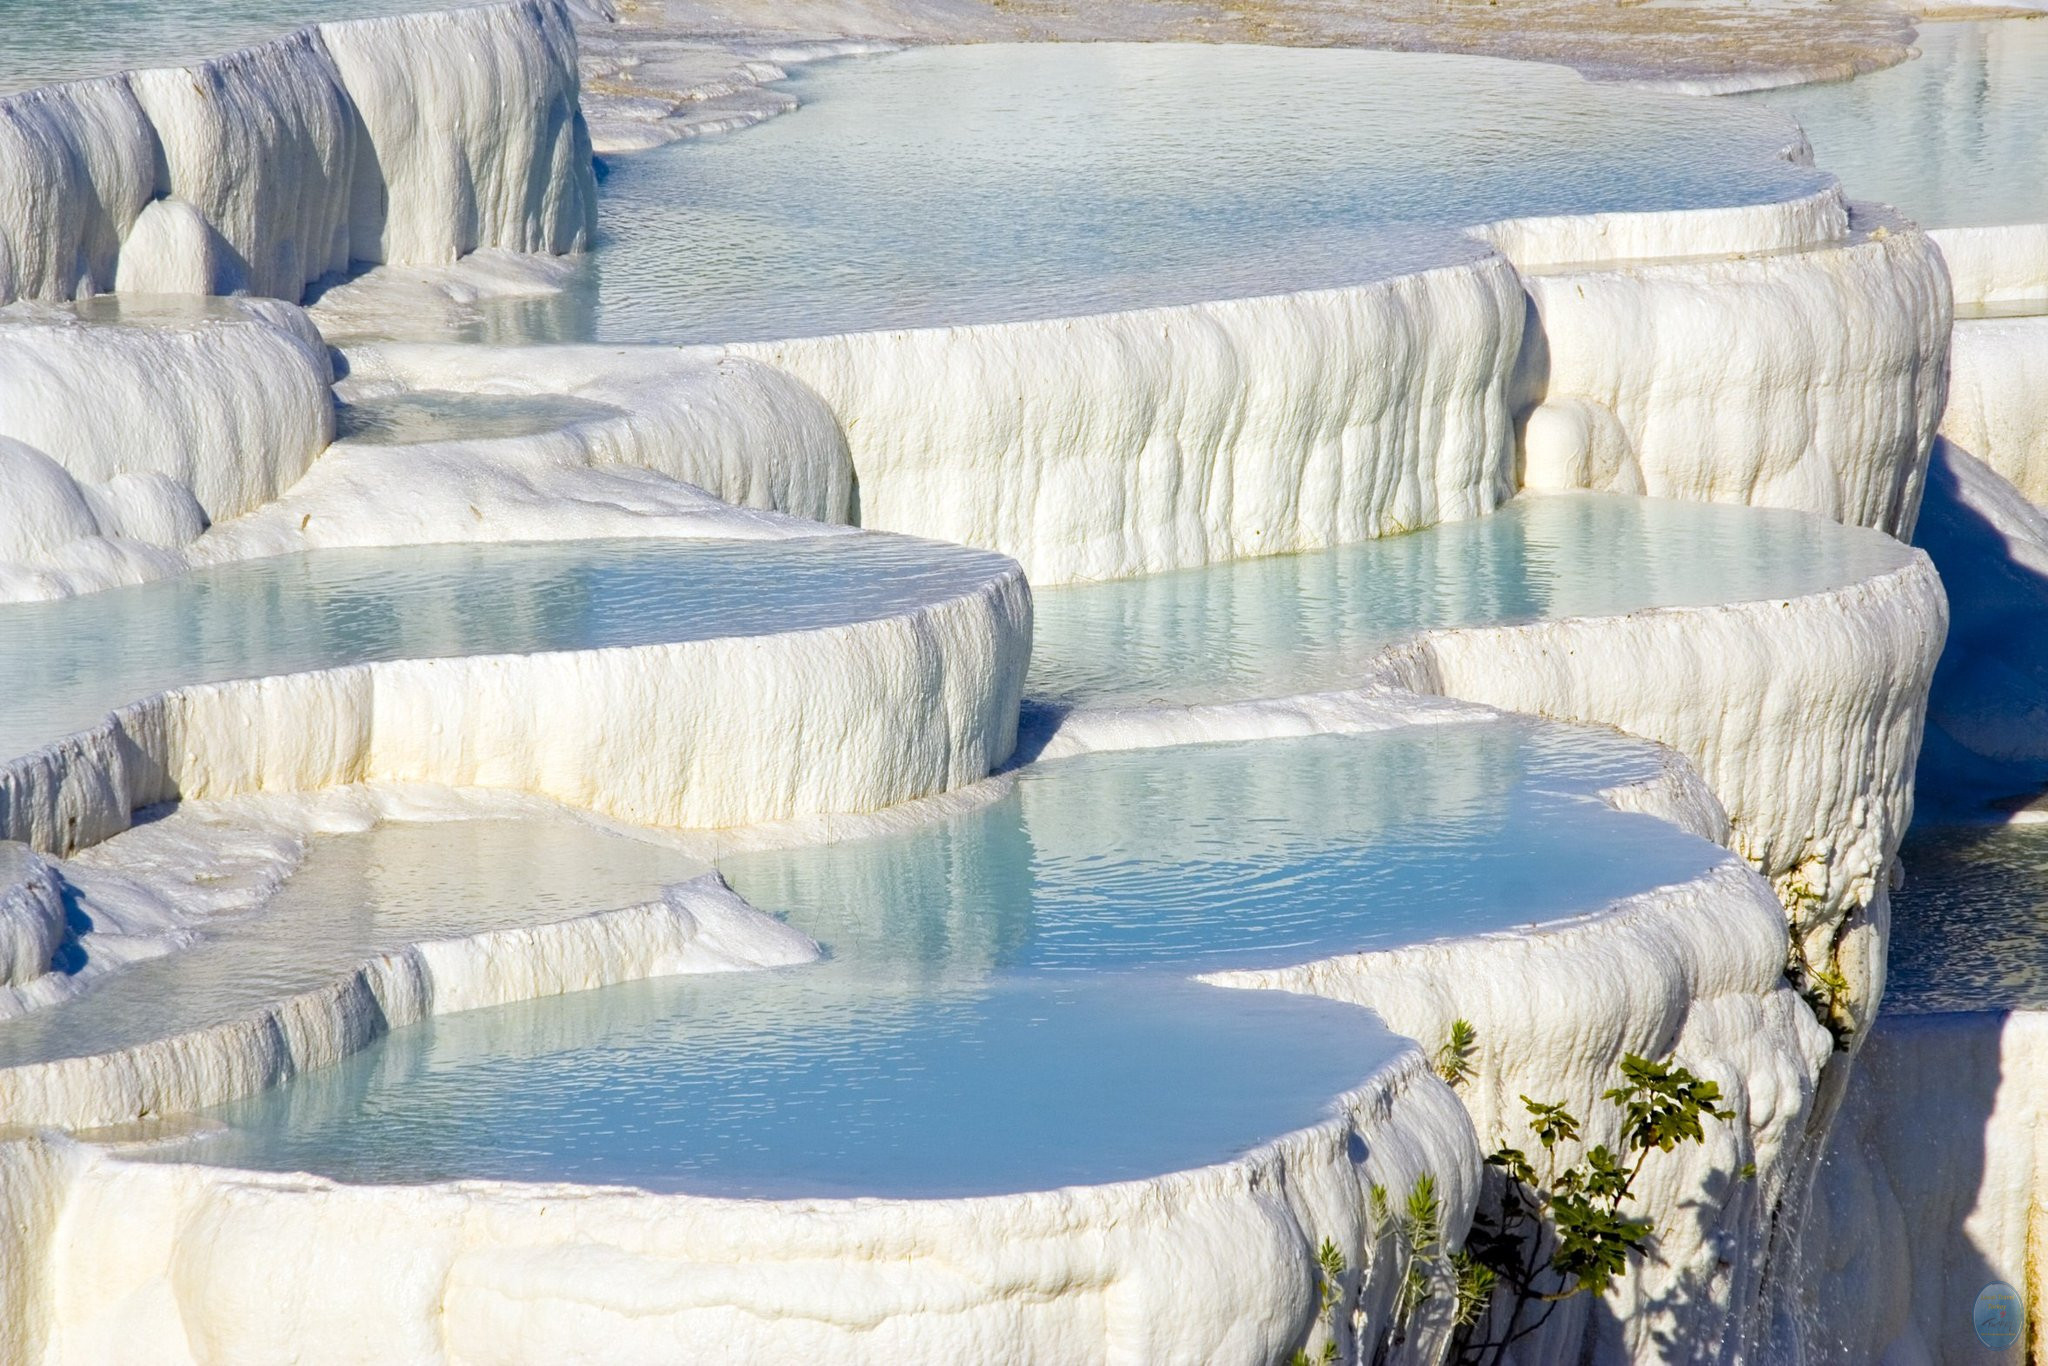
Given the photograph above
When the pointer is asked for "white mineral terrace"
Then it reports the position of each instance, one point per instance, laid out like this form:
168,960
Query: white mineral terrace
891,718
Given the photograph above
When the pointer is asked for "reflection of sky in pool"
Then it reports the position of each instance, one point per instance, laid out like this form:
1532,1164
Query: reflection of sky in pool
64,665
1006,1005
1290,623
1073,178
1956,138
1970,927
357,895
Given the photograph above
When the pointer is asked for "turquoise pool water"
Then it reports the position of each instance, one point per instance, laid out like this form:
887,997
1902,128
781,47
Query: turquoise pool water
1292,623
1955,138
1006,1005
355,896
1083,178
46,42
1970,927
64,665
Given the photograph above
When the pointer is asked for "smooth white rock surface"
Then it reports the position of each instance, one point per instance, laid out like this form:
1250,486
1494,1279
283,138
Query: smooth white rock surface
124,436
1810,379
699,733
1998,374
412,139
1212,1264
1118,444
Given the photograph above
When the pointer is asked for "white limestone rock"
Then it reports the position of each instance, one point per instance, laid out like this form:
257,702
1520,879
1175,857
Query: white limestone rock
1811,379
697,926
1212,1264
714,732
1128,443
1694,971
228,402
1998,374
412,139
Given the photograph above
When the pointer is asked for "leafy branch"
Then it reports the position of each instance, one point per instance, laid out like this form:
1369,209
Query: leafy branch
1564,1230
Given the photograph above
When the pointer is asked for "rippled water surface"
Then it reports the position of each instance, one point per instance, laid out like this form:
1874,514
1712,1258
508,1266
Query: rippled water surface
1006,1005
356,895
42,42
1970,927
1290,623
1073,178
1956,138
64,665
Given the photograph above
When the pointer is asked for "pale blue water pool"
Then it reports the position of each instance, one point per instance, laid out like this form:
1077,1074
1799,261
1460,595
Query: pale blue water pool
63,42
1006,1005
1292,623
1083,178
1955,138
64,665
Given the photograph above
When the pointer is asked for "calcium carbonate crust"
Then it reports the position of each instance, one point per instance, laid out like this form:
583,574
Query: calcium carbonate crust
411,140
699,733
1792,742
127,1261
1695,972
121,441
1081,1274
696,926
1697,968
1998,371
1811,379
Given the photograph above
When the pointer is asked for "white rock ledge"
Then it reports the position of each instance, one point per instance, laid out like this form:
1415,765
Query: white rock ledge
413,139
1810,379
122,1261
1695,971
699,733
697,926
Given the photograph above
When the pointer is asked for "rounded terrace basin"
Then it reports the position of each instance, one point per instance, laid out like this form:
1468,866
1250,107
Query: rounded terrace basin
1293,623
1007,1003
355,896
64,665
1088,178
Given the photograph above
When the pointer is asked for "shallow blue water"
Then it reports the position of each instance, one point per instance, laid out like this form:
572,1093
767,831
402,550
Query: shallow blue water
60,42
64,665
1955,138
1081,178
1006,1006
1970,927
1290,623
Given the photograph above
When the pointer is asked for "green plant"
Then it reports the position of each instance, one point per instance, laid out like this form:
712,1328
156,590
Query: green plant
1329,1275
1455,1058
1825,991
1563,1230
1414,1236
